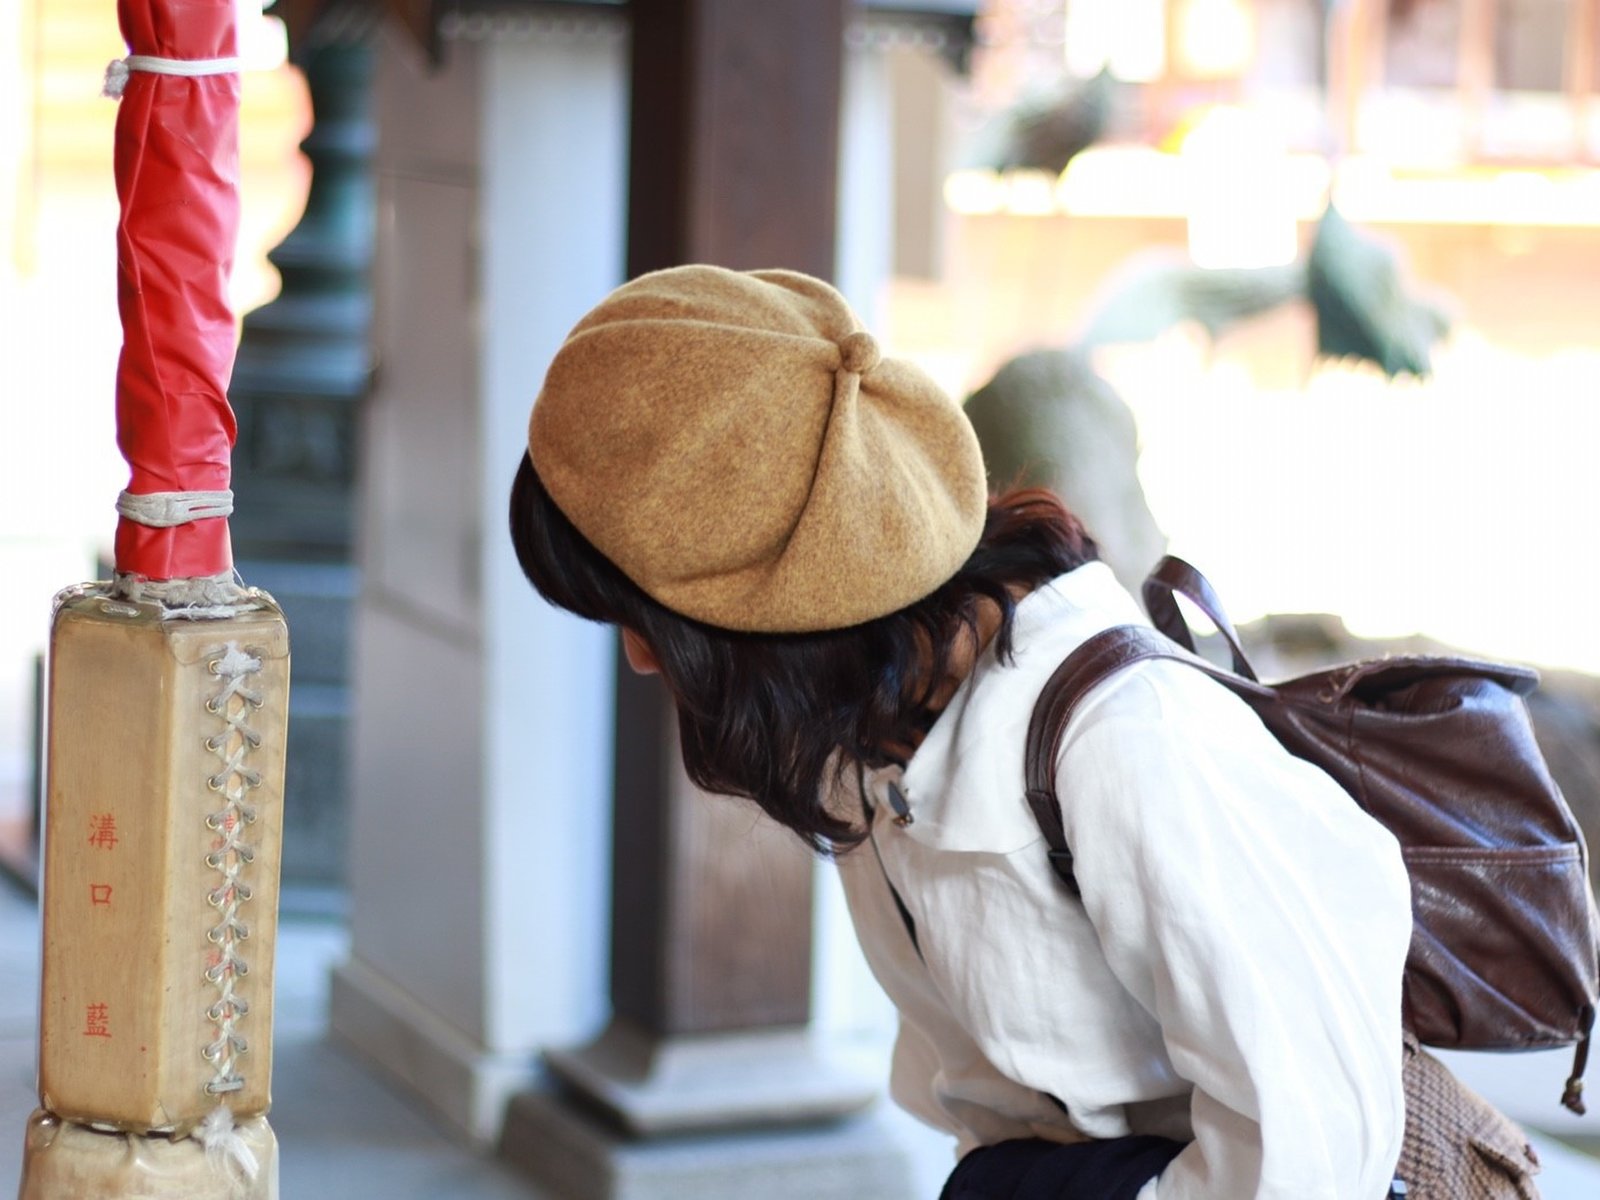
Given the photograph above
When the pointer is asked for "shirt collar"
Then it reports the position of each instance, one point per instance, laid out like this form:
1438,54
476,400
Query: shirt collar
965,783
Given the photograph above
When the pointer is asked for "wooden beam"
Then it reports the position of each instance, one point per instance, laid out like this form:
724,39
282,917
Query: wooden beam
1349,56
1476,77
1583,39
419,19
1375,50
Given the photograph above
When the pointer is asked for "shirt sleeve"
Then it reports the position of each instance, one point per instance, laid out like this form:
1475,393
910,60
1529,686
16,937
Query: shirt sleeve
1262,919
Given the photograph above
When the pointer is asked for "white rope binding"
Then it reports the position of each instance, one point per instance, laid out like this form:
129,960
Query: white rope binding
163,510
207,597
118,69
233,702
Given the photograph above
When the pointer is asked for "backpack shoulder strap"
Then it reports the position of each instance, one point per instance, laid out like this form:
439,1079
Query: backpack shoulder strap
1092,663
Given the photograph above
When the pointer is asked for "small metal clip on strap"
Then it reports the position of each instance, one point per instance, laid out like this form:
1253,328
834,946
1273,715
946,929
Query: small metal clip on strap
900,905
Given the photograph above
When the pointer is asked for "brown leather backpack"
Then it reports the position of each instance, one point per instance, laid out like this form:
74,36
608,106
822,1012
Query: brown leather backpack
1441,752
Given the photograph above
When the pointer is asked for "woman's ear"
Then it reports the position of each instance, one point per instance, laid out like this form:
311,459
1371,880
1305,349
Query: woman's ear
640,657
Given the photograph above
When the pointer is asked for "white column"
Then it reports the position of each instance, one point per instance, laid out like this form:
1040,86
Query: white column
481,781
866,177
846,1002
554,200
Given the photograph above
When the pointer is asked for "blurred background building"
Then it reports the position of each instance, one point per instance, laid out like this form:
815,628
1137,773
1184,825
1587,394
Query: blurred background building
1140,189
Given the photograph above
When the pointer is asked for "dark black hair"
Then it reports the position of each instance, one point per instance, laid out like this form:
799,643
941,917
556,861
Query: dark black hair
763,715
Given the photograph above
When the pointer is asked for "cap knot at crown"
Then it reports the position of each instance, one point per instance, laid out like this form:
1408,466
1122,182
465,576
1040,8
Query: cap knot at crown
858,352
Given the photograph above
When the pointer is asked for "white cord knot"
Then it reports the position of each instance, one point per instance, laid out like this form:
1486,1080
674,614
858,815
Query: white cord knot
191,68
226,1150
116,81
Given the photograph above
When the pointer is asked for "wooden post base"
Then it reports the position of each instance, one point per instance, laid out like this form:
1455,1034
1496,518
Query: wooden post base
724,1116
164,821
740,1080
64,1161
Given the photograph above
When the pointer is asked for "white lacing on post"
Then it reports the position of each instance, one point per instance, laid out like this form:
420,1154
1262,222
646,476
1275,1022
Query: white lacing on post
118,70
232,703
163,510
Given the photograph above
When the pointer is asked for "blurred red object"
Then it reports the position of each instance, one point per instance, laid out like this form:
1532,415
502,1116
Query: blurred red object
177,171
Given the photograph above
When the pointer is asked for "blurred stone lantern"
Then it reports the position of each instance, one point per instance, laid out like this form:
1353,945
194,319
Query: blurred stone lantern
302,371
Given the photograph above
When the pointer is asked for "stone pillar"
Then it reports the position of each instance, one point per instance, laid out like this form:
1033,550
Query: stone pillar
481,752
706,1081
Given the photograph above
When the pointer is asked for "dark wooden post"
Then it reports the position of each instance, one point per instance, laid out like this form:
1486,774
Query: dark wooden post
735,142
733,160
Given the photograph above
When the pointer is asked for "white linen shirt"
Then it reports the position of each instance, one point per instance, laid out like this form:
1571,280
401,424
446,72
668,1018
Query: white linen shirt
1231,974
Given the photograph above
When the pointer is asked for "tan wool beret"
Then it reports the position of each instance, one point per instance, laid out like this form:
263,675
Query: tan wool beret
735,444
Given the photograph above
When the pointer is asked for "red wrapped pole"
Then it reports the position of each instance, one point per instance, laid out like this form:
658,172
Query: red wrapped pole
177,170
168,702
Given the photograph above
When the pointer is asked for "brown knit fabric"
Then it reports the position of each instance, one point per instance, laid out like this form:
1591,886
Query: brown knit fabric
1457,1146
735,443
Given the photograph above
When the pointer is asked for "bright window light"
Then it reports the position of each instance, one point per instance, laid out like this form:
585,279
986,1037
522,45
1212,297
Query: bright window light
1217,38
1128,36
1241,209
